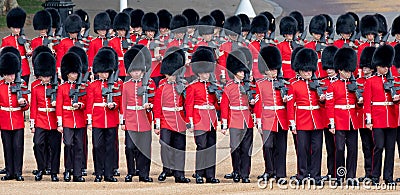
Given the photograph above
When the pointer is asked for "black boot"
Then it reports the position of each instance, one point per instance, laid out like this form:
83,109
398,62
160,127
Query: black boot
182,180
39,176
128,178
54,178
78,179
67,175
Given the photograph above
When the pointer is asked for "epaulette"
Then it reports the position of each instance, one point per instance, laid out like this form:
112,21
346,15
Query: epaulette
261,80
36,85
229,83
193,82
373,76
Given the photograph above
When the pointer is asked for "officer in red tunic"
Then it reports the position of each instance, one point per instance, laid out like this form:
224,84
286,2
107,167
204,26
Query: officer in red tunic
369,30
305,118
43,118
288,29
12,110
365,133
381,114
271,115
317,29
169,116
259,27
346,28
15,22
136,25
200,106
236,115
101,25
70,117
41,24
341,101
103,111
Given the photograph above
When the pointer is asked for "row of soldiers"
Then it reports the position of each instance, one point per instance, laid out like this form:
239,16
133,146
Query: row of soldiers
293,84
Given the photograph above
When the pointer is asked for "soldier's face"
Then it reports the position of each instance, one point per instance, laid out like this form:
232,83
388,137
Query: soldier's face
121,33
272,73
370,37
240,75
164,31
137,29
102,33
150,34
289,37
397,36
346,36
45,79
207,37
345,74
245,33
259,36
103,75
15,31
43,32
191,30
316,36
180,35
305,74
330,72
367,71
72,76
136,74
73,35
204,76
9,78
382,70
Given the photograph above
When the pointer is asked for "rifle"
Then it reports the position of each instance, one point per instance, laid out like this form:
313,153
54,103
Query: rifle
144,90
353,87
331,38
321,44
127,43
180,81
389,84
315,85
81,43
108,37
214,88
386,37
52,92
281,85
108,92
270,38
22,40
74,94
17,87
157,45
300,40
352,40
246,88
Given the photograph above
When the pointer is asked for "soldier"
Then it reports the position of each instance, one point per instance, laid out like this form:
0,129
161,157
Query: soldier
164,18
169,116
317,29
206,30
369,30
15,22
42,24
341,101
245,35
200,106
55,21
101,25
43,119
346,28
219,17
70,117
136,24
382,27
193,19
271,115
329,31
381,114
357,24
270,35
259,27
305,120
121,42
84,33
111,13
365,133
300,27
13,104
103,113
288,29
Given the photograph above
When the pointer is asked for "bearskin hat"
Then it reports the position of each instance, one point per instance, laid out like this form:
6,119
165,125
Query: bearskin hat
396,60
306,59
40,49
271,20
233,26
329,24
245,22
288,26
260,24
300,20
382,25
9,64
366,57
16,18
249,57
115,55
269,58
203,60
327,57
318,25
179,24
369,25
42,20
396,26
150,22
104,61
12,50
127,10
122,21
73,24
84,17
136,18
356,21
55,17
46,64
345,24
192,16
164,17
70,63
293,56
235,62
134,60
146,54
82,55
111,13
345,59
383,56
173,61
101,22
219,17
206,25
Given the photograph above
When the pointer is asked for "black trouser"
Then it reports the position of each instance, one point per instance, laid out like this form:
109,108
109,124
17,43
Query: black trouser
241,144
141,142
73,149
309,145
398,140
348,138
13,147
104,148
85,149
116,147
173,148
330,150
274,150
383,139
368,149
205,152
131,156
43,141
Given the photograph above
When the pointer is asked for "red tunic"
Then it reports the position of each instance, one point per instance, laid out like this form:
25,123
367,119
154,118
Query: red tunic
11,114
254,47
231,106
320,73
179,43
69,117
393,68
341,42
101,115
62,48
326,82
12,41
286,52
42,113
94,46
270,108
360,109
155,64
116,44
358,72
